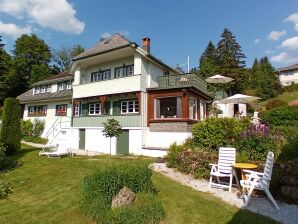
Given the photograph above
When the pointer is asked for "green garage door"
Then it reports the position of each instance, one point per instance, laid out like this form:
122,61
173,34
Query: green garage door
123,142
82,138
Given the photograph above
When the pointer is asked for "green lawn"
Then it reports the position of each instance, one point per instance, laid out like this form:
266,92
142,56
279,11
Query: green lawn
289,96
48,191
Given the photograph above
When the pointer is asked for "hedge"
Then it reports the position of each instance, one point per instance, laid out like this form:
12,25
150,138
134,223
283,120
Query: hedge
11,127
281,116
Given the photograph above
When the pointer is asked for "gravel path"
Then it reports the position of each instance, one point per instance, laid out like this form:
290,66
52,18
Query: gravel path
288,214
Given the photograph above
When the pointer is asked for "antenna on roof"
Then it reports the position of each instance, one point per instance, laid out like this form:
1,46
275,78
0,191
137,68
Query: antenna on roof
185,64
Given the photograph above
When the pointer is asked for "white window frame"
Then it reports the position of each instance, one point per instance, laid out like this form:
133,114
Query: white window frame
61,106
43,89
125,104
49,88
37,90
196,106
68,85
94,105
77,109
61,86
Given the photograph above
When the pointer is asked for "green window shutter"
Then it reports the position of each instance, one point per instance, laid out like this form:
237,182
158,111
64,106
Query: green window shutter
107,108
85,109
116,107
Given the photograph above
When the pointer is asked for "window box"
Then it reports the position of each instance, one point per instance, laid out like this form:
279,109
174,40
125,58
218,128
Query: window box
61,110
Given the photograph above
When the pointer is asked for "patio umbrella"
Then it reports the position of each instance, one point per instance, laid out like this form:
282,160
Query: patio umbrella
239,98
218,79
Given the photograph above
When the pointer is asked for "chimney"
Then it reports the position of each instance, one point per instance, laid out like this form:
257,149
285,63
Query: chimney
146,44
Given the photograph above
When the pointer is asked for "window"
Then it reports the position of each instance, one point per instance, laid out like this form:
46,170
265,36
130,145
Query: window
37,90
43,89
37,110
61,86
94,109
193,108
203,109
68,85
288,73
77,109
129,106
101,75
49,88
124,71
168,107
61,110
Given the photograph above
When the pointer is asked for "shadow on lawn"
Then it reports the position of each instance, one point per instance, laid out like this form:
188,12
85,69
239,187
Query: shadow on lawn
14,161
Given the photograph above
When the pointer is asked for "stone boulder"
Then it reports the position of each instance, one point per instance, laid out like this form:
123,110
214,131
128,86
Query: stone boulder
124,198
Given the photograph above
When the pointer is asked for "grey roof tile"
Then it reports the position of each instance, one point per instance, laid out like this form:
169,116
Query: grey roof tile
28,97
291,67
116,40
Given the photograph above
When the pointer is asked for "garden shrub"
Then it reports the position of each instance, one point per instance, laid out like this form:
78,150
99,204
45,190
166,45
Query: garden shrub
290,149
274,103
33,139
11,126
3,158
291,88
256,141
213,133
26,127
38,127
5,188
281,116
100,187
173,152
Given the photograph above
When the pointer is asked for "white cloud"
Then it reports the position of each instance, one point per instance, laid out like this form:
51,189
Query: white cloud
284,58
55,14
13,30
276,35
257,41
293,18
290,43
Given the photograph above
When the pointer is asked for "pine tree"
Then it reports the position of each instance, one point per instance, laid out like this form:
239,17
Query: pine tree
207,61
228,53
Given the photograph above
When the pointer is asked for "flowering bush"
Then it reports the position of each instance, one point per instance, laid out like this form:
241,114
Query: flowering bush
256,141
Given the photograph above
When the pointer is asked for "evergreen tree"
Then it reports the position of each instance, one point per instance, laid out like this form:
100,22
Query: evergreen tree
207,61
10,133
228,53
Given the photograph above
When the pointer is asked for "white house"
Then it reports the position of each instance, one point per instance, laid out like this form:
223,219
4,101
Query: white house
155,104
288,75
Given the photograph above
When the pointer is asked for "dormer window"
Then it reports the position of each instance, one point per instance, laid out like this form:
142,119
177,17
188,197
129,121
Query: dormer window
37,90
61,86
68,85
43,89
49,88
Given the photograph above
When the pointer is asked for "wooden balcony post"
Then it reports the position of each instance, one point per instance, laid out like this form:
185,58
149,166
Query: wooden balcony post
185,104
102,103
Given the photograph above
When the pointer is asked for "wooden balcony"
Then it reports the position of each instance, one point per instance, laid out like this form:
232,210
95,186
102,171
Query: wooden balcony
180,81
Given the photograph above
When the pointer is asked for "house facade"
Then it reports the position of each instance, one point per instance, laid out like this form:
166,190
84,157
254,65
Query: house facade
288,75
50,100
155,104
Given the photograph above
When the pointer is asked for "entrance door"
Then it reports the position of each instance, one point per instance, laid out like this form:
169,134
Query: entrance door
236,109
123,143
82,138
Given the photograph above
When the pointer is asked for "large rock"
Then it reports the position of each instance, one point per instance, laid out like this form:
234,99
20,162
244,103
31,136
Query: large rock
124,198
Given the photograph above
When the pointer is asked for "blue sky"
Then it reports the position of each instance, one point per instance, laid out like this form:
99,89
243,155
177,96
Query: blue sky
177,28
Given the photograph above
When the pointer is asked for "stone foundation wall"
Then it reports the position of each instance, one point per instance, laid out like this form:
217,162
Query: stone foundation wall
171,127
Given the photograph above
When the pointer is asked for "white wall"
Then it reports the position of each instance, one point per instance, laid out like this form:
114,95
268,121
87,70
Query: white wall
286,80
50,118
228,109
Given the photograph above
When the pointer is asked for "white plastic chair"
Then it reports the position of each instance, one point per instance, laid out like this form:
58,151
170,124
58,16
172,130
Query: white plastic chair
61,150
259,181
255,118
227,157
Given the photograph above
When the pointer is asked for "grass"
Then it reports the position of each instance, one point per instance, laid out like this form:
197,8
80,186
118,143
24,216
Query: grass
48,191
288,96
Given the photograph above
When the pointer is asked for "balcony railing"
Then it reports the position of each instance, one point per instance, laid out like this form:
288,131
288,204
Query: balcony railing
97,121
184,80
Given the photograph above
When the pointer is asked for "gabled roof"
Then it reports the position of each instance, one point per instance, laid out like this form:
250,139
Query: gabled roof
288,68
64,76
113,42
